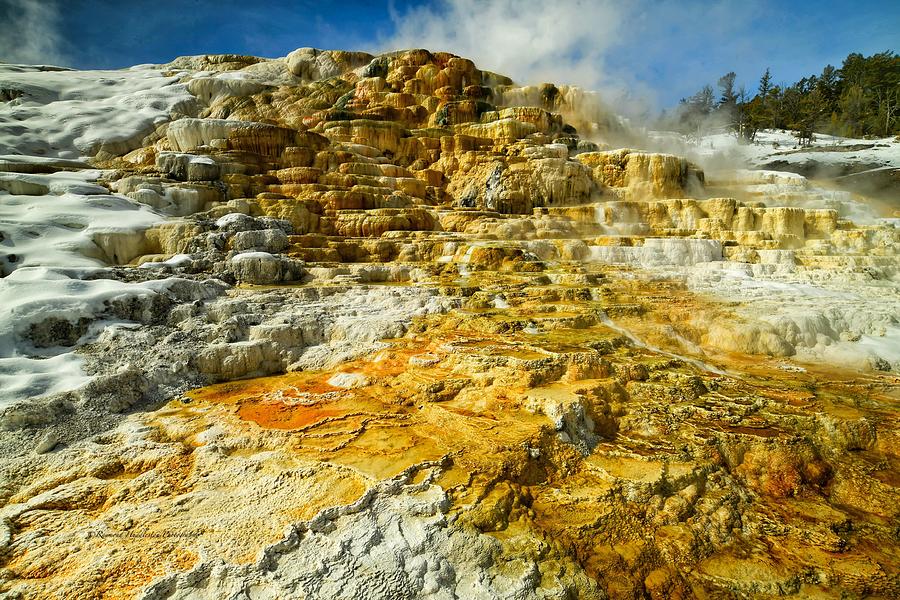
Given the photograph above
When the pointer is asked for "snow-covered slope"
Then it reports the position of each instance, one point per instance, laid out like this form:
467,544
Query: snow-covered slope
782,146
56,220
70,114
39,304
57,226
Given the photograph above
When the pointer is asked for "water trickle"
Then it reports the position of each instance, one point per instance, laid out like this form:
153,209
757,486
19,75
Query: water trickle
604,318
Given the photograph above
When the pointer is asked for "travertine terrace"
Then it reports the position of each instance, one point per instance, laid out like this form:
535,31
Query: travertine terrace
338,325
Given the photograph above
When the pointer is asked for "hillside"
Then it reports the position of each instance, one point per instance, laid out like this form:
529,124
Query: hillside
338,325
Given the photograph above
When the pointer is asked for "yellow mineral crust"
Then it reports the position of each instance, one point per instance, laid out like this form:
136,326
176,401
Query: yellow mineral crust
614,378
638,467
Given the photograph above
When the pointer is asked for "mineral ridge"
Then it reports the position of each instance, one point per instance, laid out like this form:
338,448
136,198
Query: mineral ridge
338,325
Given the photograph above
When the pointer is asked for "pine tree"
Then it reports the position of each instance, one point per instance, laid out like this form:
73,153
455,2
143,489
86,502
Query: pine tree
764,113
862,98
854,106
726,84
746,127
727,106
828,85
694,112
765,84
812,110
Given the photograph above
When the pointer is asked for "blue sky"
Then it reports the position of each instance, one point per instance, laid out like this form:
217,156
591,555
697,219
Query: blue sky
658,50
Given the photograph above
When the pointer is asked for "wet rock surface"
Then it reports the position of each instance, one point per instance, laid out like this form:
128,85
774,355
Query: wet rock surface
389,327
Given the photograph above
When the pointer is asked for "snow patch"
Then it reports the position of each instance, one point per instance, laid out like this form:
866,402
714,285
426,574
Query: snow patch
73,224
35,297
72,114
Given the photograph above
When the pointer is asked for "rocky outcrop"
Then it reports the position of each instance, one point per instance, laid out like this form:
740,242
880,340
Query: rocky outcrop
262,268
642,175
259,138
310,64
391,326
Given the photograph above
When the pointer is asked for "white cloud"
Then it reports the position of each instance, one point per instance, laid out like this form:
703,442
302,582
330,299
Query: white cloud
29,32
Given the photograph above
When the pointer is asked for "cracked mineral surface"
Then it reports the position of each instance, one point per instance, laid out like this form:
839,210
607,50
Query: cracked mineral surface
337,325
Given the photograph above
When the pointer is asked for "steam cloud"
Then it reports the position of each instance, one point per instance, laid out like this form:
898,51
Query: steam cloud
29,32
532,40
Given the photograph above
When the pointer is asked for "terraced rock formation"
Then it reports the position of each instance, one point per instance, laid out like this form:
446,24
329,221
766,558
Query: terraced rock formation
339,325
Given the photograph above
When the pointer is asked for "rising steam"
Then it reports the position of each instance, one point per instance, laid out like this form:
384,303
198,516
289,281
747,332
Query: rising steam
29,32
533,41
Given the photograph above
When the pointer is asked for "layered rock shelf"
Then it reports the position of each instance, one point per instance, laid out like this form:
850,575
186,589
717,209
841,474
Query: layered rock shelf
338,325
